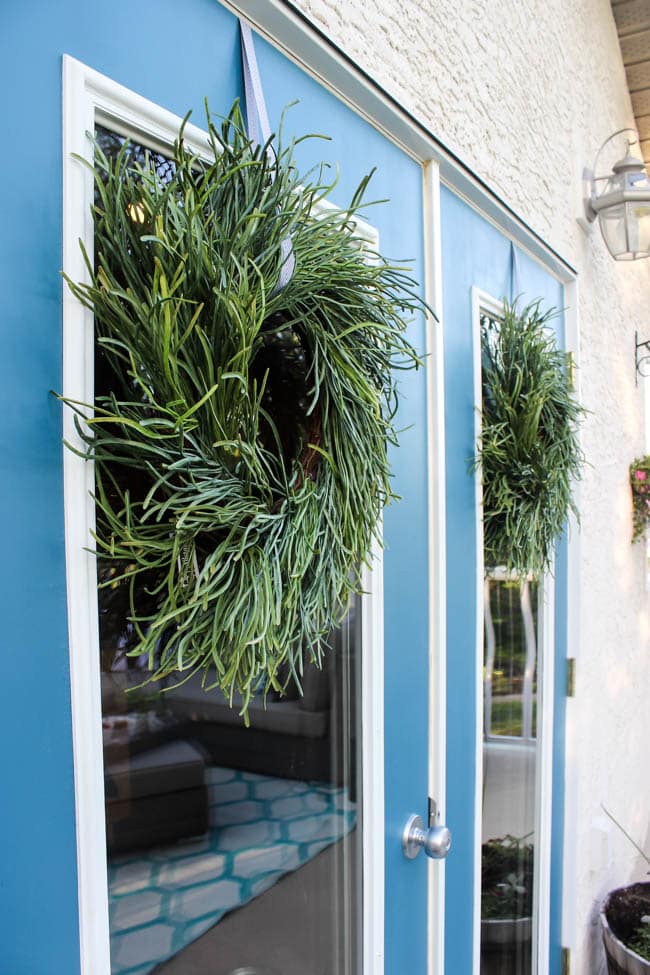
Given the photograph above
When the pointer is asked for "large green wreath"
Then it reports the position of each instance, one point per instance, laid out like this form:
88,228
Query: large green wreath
240,432
529,451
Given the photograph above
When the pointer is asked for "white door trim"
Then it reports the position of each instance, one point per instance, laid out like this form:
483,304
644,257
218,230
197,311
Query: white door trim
90,98
437,555
569,922
481,302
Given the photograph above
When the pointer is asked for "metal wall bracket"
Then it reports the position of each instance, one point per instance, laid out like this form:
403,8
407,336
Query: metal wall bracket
642,359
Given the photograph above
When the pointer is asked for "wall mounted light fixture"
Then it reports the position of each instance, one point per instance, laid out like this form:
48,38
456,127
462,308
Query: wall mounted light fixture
622,204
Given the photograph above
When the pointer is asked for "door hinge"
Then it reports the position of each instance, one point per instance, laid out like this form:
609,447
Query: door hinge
571,371
571,677
566,961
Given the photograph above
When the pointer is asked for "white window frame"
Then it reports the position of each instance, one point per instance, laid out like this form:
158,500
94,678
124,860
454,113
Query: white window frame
90,98
483,303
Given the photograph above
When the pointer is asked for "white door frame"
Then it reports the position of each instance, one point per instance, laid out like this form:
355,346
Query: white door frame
437,556
88,98
485,303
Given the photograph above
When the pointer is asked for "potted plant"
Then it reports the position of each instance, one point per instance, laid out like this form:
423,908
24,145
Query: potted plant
625,923
507,865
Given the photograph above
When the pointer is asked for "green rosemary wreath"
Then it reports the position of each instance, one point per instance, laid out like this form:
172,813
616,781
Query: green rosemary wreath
529,452
239,432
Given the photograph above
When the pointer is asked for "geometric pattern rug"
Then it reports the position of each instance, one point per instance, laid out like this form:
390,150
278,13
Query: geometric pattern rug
261,828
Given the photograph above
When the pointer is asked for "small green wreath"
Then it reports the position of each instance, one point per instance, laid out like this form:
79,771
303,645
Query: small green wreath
240,431
529,452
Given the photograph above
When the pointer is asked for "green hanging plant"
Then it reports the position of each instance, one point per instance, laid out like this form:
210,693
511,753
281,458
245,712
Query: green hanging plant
529,453
240,432
640,484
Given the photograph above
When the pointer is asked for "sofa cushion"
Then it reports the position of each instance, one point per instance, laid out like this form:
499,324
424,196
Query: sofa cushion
172,767
316,692
191,701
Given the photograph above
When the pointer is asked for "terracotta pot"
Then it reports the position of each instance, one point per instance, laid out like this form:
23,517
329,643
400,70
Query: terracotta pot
621,960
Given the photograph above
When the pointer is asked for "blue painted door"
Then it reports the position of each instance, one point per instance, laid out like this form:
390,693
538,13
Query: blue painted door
476,255
175,56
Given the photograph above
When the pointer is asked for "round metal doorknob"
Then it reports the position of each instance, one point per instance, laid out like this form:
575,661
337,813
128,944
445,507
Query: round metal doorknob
435,841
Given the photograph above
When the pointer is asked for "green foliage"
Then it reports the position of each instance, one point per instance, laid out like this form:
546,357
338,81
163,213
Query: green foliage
239,435
640,484
507,717
641,940
627,910
507,866
529,452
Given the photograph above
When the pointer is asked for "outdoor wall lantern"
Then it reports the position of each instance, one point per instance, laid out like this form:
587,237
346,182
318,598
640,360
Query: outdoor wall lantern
622,205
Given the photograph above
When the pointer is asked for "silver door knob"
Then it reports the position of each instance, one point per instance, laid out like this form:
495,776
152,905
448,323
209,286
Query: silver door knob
435,841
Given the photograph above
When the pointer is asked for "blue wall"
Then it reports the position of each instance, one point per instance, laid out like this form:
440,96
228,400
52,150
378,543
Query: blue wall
476,254
174,54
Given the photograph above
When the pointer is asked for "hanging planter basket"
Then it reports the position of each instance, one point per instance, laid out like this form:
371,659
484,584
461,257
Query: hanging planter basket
240,430
640,485
624,923
529,452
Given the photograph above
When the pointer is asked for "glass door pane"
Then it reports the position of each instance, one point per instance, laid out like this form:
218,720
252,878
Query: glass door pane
232,849
510,774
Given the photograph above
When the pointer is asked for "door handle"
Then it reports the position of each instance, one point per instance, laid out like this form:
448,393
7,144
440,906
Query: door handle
435,841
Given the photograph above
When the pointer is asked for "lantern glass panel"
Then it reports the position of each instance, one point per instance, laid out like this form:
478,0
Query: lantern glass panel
638,222
628,180
612,226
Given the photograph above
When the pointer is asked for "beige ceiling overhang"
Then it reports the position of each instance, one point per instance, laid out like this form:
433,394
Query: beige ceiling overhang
633,24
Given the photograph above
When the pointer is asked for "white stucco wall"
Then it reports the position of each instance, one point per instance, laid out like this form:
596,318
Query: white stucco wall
525,93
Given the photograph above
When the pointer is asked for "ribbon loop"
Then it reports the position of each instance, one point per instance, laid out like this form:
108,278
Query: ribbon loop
515,276
257,119
259,132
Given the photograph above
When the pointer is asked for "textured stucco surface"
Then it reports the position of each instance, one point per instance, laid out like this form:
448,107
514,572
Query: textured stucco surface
525,93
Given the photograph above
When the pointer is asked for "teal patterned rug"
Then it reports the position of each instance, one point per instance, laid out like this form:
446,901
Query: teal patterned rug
260,829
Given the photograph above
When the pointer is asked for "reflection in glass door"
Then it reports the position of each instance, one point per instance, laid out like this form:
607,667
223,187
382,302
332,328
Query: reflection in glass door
516,658
510,774
233,848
